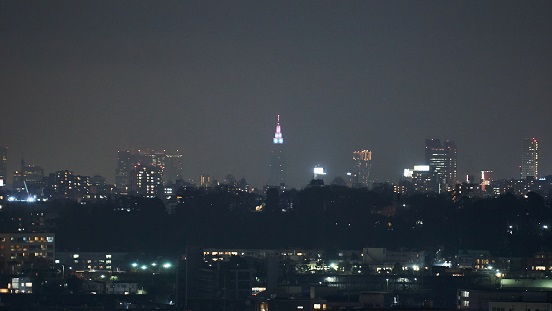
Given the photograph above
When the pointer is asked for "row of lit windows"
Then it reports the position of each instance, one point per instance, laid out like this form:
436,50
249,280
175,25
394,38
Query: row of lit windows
107,256
49,239
23,248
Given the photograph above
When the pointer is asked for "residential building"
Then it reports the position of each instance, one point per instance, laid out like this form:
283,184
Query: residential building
147,181
17,249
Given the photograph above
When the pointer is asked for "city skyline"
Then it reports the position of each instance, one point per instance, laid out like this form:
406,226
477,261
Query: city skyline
82,80
440,160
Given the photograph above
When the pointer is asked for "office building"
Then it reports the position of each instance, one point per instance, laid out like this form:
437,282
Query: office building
170,167
530,159
441,159
122,173
148,158
423,179
362,165
318,172
173,168
277,160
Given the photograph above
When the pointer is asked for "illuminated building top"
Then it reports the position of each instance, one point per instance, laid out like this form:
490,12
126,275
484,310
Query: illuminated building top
278,139
530,159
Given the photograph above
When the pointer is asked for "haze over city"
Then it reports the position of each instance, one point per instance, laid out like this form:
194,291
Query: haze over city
81,80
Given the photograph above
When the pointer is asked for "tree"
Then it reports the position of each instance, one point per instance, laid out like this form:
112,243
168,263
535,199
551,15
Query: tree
339,181
230,179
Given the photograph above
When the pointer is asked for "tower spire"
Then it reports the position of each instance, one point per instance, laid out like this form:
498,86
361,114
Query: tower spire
278,139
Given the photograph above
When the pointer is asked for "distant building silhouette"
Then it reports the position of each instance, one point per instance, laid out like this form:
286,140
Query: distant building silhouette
3,165
362,166
442,161
205,181
486,180
530,159
173,167
65,184
169,166
278,160
122,173
29,180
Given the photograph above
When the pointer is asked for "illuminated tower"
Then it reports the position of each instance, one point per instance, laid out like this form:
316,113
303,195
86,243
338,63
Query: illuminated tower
277,161
530,158
362,165
441,160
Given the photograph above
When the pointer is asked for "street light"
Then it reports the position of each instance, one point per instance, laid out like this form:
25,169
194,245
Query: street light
387,282
167,265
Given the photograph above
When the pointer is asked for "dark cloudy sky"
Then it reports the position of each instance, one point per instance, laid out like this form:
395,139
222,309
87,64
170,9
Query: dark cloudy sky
81,79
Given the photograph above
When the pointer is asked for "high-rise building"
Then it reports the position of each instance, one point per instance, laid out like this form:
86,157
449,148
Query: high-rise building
68,185
147,180
173,167
3,165
149,157
486,179
168,165
277,160
205,181
530,159
422,179
442,161
122,173
362,165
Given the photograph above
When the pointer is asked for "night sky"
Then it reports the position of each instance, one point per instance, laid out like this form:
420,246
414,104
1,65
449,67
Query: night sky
80,80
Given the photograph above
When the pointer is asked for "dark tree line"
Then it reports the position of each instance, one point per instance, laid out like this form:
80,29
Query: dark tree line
331,217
